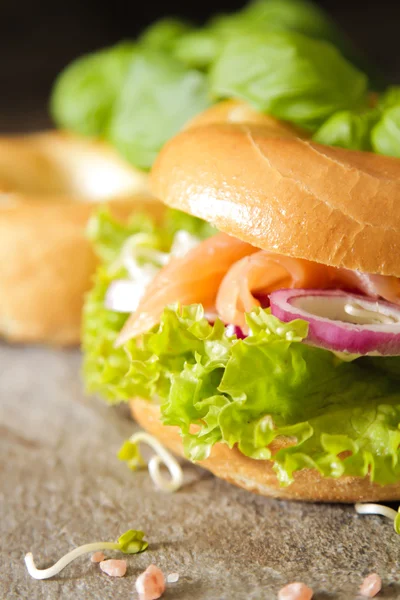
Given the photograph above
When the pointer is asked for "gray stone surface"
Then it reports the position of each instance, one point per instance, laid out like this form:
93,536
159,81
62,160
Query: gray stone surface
62,486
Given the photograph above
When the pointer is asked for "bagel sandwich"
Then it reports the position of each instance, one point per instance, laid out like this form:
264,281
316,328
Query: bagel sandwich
50,185
266,350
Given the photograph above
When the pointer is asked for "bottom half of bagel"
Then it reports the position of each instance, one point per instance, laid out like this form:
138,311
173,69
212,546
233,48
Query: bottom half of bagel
258,475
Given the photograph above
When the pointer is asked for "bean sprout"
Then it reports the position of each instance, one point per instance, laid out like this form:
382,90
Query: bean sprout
130,542
161,457
376,509
65,560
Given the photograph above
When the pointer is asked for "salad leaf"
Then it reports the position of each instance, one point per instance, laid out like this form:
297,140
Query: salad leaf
288,75
105,366
158,97
162,34
308,18
200,48
390,98
348,129
176,220
294,15
386,133
84,93
387,364
108,235
249,392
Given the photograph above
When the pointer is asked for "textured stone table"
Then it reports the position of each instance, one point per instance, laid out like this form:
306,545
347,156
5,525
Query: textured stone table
62,486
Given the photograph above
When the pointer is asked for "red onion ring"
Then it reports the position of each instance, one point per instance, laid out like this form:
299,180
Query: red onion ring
334,325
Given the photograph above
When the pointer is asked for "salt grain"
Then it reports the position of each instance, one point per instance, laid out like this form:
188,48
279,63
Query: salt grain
150,584
113,568
371,586
295,591
97,557
172,577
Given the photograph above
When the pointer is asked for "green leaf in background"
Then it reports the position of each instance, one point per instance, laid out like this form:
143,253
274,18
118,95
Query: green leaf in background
293,15
386,133
84,93
158,98
200,48
389,98
348,129
289,76
162,34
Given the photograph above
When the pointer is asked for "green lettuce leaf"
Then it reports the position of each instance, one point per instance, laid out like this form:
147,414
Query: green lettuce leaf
158,98
85,92
249,392
104,366
386,133
163,34
108,235
201,47
342,417
288,75
348,129
389,98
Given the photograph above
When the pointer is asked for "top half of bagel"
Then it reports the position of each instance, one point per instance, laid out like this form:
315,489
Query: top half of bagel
267,184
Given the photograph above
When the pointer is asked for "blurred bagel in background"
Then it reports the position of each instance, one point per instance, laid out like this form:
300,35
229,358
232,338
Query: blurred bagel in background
50,185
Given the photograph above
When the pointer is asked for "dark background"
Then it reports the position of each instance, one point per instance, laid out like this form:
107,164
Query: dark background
38,38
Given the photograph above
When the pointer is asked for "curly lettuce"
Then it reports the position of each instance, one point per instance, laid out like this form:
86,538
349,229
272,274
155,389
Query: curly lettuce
342,417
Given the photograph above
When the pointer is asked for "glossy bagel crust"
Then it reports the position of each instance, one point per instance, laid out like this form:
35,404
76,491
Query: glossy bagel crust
258,475
50,185
286,194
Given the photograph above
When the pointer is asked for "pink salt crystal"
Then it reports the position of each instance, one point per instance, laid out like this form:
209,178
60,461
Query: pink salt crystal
295,591
150,584
113,568
97,557
371,586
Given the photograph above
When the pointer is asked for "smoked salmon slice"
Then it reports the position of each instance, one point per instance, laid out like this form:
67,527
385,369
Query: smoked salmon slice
259,275
232,277
383,286
194,278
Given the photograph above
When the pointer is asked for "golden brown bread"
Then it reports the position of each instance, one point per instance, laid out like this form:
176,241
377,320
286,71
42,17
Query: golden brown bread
50,184
238,111
258,475
286,194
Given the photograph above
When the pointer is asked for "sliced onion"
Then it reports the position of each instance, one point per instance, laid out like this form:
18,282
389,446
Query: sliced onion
123,295
340,321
